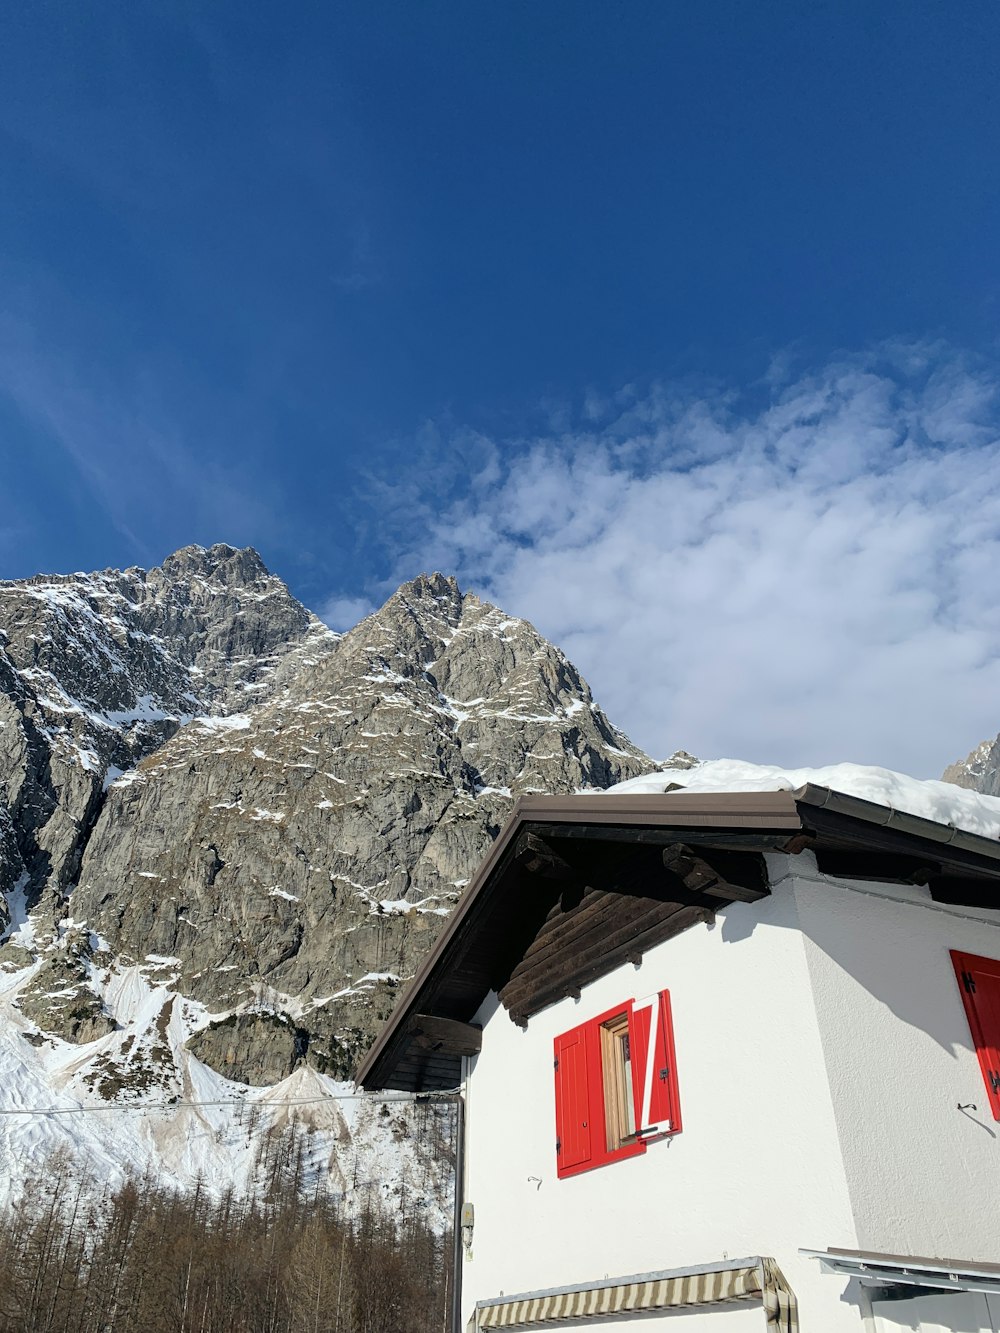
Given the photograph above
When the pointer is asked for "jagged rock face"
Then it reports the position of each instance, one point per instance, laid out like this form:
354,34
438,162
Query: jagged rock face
296,853
61,998
258,1049
98,670
305,855
979,771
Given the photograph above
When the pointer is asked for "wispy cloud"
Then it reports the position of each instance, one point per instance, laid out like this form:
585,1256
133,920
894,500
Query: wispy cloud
145,480
362,269
53,399
808,579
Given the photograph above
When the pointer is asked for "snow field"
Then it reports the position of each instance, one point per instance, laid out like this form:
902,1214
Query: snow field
196,1125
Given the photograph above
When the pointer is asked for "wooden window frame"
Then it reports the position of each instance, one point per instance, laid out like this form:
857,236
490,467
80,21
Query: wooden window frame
616,1077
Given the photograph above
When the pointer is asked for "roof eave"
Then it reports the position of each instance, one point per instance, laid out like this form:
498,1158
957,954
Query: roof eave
784,814
685,811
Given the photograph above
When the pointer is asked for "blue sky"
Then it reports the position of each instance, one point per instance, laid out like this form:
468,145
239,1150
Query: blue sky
509,288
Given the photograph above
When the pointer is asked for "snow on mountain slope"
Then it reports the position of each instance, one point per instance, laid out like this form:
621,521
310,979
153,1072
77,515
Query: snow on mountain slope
193,1125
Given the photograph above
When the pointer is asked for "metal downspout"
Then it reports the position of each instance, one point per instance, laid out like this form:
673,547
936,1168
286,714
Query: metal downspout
456,1221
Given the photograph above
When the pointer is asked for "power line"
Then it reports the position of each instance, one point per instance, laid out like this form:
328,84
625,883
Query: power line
403,1099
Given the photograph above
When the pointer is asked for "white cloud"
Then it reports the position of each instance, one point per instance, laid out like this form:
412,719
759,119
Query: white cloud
808,581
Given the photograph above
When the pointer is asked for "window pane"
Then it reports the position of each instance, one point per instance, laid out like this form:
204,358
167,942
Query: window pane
616,1070
626,1056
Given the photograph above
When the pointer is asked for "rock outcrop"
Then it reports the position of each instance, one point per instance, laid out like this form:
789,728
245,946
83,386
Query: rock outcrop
978,771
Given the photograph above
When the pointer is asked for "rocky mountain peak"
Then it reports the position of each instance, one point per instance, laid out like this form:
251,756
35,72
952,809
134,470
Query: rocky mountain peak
230,565
282,838
420,616
436,587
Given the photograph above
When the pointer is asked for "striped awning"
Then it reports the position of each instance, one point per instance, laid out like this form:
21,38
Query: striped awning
757,1279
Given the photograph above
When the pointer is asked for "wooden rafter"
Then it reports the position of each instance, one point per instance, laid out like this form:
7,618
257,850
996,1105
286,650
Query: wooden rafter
698,876
445,1035
537,856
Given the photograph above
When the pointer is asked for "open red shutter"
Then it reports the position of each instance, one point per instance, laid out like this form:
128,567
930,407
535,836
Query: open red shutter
654,1072
573,1135
979,982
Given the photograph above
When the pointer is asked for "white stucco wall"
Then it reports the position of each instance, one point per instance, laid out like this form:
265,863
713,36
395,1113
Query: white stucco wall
756,1169
822,1052
965,1312
924,1177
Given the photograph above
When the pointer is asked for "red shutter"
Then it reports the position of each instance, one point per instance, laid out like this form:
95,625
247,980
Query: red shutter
979,983
654,1071
573,1133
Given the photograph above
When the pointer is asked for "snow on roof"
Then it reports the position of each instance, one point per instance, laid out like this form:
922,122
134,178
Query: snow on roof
941,801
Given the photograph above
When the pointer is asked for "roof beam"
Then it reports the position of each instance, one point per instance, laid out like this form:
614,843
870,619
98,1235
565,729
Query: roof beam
537,856
699,877
445,1035
680,871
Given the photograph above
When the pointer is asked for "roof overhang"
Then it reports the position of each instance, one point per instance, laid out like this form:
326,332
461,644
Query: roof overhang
907,1276
671,858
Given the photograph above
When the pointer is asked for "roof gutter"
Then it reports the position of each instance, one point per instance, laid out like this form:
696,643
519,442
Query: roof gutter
887,816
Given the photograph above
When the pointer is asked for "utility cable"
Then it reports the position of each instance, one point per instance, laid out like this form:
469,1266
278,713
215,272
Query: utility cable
387,1100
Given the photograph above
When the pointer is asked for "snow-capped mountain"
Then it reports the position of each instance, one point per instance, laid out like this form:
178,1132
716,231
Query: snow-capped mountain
227,834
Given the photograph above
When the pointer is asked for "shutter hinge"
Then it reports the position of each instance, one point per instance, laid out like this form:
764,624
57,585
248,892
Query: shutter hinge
969,982
558,1145
664,1074
555,1063
994,1080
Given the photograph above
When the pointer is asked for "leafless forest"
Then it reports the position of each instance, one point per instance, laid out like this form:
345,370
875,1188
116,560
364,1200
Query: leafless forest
145,1259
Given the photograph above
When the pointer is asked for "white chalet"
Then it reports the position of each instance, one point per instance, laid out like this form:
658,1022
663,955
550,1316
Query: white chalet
728,1062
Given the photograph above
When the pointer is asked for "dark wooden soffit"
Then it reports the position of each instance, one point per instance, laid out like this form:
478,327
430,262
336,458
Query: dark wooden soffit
856,839
616,901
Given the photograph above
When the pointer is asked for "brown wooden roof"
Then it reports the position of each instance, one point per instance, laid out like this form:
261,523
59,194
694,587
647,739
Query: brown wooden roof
576,885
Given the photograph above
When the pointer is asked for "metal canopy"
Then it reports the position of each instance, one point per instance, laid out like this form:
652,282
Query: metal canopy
899,1270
